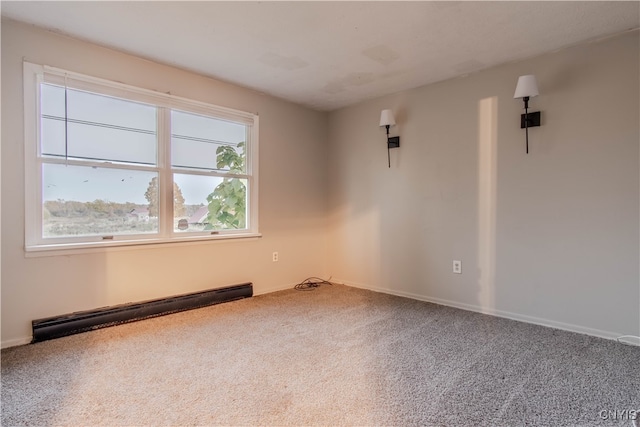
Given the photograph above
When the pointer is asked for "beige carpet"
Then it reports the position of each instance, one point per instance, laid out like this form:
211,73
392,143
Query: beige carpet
332,356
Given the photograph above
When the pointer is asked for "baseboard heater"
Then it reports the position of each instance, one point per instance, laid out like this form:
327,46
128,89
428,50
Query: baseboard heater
83,321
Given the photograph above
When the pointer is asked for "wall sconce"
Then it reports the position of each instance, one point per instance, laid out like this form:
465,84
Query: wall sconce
387,120
526,88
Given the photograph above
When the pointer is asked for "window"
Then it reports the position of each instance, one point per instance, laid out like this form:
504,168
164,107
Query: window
109,164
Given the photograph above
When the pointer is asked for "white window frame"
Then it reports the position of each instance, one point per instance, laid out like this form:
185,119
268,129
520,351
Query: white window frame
35,74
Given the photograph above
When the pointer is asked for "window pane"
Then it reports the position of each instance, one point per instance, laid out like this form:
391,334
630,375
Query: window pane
210,203
98,127
201,142
87,201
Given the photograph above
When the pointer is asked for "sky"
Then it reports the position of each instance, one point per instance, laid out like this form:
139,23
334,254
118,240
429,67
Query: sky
107,129
86,184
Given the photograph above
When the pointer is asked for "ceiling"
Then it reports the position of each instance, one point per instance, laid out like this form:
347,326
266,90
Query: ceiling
327,55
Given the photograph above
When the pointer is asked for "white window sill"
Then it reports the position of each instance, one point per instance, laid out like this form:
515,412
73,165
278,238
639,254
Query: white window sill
129,245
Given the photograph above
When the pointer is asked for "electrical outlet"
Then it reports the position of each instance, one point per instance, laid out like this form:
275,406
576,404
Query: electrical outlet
457,266
275,257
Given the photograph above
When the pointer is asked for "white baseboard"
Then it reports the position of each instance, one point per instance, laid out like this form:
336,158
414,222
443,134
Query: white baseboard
491,311
15,342
463,306
273,289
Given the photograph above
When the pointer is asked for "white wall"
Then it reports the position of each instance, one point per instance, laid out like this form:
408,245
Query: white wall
292,197
550,237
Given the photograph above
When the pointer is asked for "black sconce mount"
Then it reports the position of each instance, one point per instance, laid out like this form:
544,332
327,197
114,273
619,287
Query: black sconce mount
528,120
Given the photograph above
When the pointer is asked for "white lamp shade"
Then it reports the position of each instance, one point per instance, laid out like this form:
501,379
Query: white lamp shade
527,86
386,118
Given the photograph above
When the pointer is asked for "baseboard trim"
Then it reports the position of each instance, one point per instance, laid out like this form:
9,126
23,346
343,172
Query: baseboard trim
463,306
272,289
15,342
492,312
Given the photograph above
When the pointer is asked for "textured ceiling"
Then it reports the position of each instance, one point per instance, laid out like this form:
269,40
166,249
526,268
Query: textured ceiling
328,55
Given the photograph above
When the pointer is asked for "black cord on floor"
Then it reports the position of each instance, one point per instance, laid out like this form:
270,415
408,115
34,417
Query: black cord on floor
311,283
